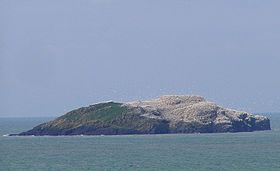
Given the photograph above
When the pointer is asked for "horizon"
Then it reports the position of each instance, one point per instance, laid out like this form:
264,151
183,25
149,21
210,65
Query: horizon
58,115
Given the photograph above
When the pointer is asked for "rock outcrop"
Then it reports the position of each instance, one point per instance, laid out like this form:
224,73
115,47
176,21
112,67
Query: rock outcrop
167,114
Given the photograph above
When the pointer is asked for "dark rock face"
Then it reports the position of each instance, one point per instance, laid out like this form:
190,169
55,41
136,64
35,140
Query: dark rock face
168,114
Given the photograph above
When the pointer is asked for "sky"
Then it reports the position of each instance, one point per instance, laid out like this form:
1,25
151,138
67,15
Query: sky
56,56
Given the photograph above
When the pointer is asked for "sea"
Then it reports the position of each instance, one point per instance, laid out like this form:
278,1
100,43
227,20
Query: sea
249,151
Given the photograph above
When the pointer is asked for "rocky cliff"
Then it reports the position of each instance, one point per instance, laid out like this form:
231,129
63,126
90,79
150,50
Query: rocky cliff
167,114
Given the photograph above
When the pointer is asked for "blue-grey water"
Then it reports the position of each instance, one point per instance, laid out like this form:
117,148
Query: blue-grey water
226,151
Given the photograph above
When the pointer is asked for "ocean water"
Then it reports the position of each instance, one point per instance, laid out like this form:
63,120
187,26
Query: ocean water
199,152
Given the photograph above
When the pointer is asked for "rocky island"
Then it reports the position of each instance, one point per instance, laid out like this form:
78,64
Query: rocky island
167,114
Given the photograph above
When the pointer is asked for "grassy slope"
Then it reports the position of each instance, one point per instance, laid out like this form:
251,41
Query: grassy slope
103,118
102,113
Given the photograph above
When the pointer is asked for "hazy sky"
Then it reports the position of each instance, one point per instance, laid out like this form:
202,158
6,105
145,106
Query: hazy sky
57,55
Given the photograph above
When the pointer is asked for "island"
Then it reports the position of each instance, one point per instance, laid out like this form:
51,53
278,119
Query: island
164,115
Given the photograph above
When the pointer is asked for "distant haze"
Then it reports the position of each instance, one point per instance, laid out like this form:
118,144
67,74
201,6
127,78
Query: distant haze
59,55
